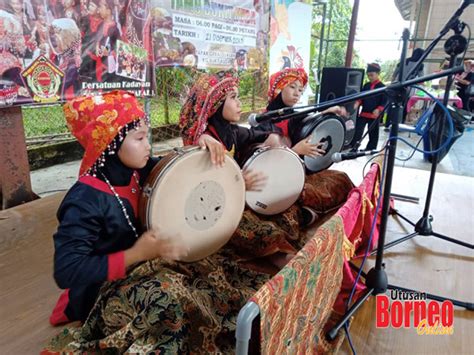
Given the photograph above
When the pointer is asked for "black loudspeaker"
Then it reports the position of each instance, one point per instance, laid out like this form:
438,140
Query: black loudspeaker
339,82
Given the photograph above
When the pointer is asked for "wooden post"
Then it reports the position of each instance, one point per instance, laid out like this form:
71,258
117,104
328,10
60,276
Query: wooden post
350,42
15,183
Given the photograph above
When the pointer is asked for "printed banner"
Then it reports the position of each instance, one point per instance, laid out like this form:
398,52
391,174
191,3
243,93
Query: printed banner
290,37
210,33
53,50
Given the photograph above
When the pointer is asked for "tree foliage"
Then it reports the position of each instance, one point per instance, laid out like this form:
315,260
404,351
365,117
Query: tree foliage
387,70
335,37
340,18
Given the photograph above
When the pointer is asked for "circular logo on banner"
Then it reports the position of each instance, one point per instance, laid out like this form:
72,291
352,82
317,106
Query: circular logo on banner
43,79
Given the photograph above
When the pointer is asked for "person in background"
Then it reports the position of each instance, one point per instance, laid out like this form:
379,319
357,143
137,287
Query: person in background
213,107
464,83
285,89
370,109
409,65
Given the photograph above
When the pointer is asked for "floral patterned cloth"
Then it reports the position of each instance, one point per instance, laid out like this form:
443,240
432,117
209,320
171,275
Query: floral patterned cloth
297,302
325,192
167,307
301,303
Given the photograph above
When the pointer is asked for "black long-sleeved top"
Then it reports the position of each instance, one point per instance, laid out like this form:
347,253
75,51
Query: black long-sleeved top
369,104
90,241
236,139
287,128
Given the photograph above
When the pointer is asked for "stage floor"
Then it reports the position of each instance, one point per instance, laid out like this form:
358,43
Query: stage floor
427,264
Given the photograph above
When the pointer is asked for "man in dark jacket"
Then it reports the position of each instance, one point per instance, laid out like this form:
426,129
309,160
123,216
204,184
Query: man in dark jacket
372,107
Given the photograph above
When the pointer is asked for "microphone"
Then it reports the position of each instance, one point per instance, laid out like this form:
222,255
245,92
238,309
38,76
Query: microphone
256,118
338,157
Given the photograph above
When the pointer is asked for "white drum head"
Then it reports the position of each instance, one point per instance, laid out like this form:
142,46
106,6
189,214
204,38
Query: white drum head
330,132
285,180
201,203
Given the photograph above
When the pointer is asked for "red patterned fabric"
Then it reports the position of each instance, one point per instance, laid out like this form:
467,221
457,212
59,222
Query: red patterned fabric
284,77
204,98
358,213
96,120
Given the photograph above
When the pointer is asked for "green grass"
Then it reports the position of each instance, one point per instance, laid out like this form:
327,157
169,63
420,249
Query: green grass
260,103
158,112
48,120
45,120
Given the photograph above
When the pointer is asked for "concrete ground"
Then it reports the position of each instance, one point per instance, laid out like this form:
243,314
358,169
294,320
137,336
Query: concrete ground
62,176
458,161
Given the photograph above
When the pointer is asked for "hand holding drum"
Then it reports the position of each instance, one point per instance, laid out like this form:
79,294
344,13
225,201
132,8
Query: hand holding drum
254,180
306,148
216,149
153,244
327,133
195,206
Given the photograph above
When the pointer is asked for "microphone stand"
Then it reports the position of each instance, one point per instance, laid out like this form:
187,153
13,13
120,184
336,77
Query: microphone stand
376,279
453,47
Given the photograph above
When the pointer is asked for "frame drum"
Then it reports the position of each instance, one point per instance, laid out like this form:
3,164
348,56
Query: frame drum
186,195
285,179
329,130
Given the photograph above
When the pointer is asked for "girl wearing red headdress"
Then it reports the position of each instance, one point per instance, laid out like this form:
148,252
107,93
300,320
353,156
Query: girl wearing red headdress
97,234
213,107
120,280
92,243
325,190
285,90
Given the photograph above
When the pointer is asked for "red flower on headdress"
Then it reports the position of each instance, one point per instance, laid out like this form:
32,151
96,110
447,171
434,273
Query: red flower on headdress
279,80
205,97
96,120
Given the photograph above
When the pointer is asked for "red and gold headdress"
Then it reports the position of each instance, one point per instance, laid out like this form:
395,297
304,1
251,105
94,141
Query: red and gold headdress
279,80
96,120
204,99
